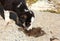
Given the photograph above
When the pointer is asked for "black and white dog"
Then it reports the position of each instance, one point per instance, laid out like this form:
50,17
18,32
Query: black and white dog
18,11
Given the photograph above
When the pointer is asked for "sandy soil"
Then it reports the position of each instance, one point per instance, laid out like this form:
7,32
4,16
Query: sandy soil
49,22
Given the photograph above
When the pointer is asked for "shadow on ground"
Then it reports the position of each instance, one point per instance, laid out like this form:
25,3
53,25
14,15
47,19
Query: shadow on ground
35,32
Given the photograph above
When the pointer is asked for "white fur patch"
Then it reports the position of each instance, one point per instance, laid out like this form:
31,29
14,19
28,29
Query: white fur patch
24,24
19,4
7,13
30,27
26,10
32,19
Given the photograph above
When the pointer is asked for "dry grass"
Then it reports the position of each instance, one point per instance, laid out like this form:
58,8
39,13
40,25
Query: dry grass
55,2
30,2
52,11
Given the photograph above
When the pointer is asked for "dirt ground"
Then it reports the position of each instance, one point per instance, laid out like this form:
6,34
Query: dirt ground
48,22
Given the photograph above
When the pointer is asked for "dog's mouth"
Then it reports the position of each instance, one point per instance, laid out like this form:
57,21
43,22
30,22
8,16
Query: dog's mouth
28,24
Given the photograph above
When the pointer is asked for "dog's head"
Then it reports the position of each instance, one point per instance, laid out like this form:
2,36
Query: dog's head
29,19
26,18
25,15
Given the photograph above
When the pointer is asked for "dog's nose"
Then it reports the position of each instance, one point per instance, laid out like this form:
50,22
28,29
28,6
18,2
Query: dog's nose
28,24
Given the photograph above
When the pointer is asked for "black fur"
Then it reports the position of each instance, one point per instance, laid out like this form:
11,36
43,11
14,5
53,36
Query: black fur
20,16
1,11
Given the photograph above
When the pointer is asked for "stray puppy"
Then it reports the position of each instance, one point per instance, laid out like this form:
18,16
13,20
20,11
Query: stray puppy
25,16
24,19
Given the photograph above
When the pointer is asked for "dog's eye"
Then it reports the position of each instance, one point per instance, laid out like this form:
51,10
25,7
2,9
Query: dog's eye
24,16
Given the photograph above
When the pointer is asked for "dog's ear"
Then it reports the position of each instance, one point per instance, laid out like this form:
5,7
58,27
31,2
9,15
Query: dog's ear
32,13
